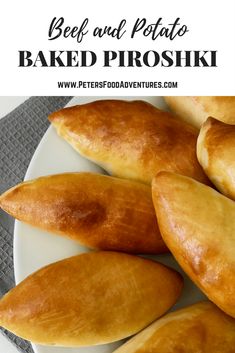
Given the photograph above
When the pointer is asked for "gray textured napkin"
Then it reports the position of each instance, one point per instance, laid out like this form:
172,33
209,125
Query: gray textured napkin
20,133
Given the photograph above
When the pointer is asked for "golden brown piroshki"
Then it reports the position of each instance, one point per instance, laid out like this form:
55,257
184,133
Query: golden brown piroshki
89,299
216,154
201,327
195,110
198,225
98,211
132,140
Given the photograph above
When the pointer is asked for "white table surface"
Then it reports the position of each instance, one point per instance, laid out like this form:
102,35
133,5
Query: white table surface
7,104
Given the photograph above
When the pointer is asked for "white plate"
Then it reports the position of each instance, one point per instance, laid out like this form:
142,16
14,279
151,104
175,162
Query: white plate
34,248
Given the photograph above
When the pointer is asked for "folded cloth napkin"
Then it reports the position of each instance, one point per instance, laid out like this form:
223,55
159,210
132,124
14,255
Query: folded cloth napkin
20,132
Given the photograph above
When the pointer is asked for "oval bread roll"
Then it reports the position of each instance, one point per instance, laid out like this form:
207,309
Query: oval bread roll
198,225
89,299
216,154
201,327
98,211
195,110
132,140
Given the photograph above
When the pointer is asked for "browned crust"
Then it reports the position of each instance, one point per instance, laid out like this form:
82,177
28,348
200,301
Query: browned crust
132,140
98,211
201,327
196,109
89,299
216,153
197,224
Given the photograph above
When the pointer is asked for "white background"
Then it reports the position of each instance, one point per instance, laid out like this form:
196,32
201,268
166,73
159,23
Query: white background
7,104
24,26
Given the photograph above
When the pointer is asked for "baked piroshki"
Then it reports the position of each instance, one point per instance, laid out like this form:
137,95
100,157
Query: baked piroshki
90,299
216,154
195,110
132,140
197,223
201,327
99,211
